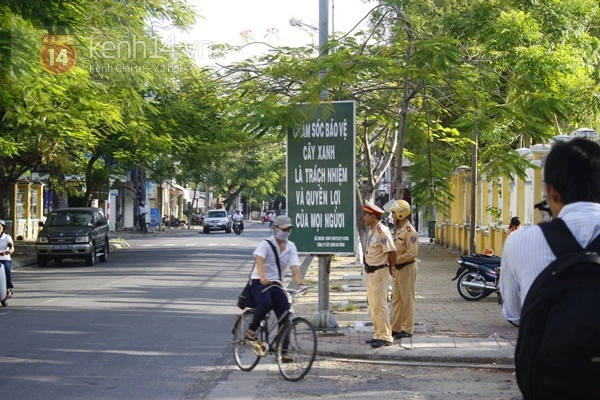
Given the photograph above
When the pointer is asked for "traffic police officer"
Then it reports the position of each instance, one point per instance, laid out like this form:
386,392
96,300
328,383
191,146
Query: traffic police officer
380,257
406,241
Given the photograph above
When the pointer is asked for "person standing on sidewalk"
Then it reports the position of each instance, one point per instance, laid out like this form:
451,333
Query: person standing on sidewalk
406,241
380,258
515,224
572,188
5,253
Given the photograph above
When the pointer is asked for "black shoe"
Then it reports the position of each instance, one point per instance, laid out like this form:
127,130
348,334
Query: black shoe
401,334
286,359
370,341
380,343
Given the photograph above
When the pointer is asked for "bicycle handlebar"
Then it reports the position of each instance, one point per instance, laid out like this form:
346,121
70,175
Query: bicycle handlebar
302,289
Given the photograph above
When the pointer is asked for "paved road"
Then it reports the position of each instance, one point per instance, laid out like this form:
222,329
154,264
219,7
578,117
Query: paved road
149,324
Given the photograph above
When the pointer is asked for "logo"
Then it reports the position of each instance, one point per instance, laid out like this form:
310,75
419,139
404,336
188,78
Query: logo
58,54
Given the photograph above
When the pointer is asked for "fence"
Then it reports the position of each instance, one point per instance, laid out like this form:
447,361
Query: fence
497,201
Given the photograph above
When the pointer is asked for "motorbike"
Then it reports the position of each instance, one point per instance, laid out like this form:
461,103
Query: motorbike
197,219
3,283
237,227
173,222
478,276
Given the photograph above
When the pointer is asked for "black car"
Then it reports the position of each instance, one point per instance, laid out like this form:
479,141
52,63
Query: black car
80,232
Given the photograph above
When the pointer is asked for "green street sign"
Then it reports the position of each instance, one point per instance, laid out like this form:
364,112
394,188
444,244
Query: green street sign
321,179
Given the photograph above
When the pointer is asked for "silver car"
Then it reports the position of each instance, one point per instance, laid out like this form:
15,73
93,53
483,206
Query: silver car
217,220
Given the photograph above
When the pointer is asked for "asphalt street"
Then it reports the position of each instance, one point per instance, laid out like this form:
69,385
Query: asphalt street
448,329
148,324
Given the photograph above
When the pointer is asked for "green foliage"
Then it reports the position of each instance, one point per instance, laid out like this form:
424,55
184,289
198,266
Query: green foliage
495,212
427,76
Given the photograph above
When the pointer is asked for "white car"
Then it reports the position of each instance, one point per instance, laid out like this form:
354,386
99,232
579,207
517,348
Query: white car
217,220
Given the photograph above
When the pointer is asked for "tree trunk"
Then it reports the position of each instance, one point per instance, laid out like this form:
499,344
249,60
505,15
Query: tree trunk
89,177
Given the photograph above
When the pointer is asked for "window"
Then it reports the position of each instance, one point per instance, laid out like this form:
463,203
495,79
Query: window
217,214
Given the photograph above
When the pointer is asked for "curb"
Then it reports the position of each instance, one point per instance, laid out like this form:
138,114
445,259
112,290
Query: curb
405,353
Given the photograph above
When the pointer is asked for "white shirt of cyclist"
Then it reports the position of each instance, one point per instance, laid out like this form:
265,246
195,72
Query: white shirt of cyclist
287,258
237,216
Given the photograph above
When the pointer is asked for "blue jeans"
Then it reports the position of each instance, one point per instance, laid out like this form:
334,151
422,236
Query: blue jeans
7,267
273,299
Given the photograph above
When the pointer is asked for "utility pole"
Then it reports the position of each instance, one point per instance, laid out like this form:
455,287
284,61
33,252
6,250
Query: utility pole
324,320
323,40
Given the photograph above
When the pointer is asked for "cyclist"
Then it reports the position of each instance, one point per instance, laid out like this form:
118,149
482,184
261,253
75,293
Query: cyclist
5,253
238,216
266,292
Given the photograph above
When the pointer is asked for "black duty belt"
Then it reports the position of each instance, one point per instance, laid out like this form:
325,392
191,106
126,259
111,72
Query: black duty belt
400,266
372,268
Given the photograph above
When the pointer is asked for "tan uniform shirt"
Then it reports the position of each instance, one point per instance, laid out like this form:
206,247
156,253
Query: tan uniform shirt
407,244
380,243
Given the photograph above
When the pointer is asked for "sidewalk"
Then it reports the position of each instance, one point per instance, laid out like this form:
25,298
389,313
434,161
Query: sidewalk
448,329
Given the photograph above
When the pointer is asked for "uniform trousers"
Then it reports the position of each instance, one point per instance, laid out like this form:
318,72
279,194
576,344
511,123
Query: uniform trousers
403,298
377,293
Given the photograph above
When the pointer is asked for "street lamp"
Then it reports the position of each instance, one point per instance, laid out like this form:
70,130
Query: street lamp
299,24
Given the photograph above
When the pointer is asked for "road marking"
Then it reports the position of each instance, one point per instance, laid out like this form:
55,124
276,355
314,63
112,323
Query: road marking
169,244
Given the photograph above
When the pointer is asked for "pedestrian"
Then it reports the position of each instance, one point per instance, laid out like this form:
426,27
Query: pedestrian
272,217
271,267
380,258
5,252
515,223
572,189
406,241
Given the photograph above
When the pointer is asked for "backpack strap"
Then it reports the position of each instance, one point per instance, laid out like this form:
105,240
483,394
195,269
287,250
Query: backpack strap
276,259
559,238
594,246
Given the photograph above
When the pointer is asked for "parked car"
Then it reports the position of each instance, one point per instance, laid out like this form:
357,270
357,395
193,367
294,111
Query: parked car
217,220
79,232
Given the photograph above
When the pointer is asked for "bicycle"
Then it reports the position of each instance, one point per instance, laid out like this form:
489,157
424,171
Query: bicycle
297,334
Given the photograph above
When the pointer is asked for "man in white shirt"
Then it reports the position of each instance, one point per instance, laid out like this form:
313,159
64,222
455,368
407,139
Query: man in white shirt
572,186
238,216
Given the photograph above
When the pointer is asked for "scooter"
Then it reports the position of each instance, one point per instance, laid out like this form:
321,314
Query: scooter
478,276
3,283
237,227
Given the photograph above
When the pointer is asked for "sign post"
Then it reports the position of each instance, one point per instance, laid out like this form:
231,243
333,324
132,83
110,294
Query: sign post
321,189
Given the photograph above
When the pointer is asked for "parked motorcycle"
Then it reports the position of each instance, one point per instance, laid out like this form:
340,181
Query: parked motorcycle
478,276
197,219
3,283
237,227
173,222
178,223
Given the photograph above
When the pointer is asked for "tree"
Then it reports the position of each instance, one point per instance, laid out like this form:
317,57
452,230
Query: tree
91,114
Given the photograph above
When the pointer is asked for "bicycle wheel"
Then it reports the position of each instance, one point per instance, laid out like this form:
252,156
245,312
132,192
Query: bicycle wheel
243,353
301,340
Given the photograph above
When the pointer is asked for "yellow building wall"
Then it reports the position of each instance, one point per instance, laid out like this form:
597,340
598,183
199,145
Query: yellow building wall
452,230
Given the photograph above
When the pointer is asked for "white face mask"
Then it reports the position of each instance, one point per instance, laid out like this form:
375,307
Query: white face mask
281,235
